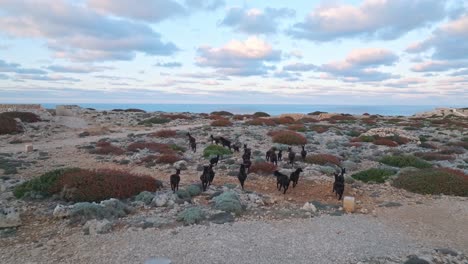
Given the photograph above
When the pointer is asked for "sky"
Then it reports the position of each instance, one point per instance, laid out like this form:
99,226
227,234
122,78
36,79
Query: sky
367,52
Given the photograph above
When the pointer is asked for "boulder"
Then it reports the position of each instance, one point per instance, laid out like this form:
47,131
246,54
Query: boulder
28,148
309,207
9,218
94,227
180,165
62,211
160,200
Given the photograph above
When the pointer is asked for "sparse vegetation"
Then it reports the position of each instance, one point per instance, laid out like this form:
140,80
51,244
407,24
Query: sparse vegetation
167,159
377,175
263,168
165,133
433,156
323,159
221,123
26,117
405,161
155,120
261,122
289,138
213,150
261,114
434,181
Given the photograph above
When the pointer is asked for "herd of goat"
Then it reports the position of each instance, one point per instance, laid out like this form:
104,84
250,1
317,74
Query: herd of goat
282,180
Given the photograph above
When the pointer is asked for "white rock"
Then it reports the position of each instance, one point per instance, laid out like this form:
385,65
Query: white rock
180,165
28,148
9,218
61,211
349,204
94,227
160,200
309,207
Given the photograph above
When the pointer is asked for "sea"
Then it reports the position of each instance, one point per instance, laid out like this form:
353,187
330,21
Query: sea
272,109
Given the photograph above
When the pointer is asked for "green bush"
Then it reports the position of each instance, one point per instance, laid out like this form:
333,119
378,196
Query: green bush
177,148
194,189
155,120
367,138
222,113
405,161
228,202
109,209
374,175
353,133
261,114
183,194
434,181
145,197
41,185
213,150
191,216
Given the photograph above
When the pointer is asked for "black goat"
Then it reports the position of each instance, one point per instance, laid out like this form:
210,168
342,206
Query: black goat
211,173
303,153
291,156
214,161
247,154
175,179
247,163
282,181
236,148
242,176
214,139
192,142
205,177
280,155
339,184
268,154
295,176
225,142
273,158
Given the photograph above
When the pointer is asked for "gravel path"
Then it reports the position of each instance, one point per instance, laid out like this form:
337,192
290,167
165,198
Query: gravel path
326,239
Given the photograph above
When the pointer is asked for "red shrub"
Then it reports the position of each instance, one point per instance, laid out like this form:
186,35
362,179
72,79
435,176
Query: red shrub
297,127
175,116
241,117
323,159
98,185
108,149
319,129
463,144
8,125
216,117
167,158
308,120
369,121
165,133
385,142
283,120
263,168
289,138
221,123
26,117
455,172
342,117
103,144
433,156
153,146
261,122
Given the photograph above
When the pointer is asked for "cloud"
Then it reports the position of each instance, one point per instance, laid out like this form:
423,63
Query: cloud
438,66
16,68
77,68
255,21
449,41
116,78
74,32
460,73
147,10
204,4
4,76
287,76
299,67
172,64
375,19
405,82
242,58
359,65
50,78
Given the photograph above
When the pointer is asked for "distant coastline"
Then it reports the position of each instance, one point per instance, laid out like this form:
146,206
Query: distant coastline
272,109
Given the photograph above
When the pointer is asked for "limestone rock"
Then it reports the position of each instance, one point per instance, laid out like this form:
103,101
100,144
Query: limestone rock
94,227
9,218
309,207
61,211
349,204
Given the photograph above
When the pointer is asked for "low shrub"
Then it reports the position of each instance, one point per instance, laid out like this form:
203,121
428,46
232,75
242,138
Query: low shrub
213,150
405,161
261,114
109,209
353,133
26,117
175,116
317,113
194,190
134,110
323,159
155,120
462,143
183,194
319,129
374,175
342,118
8,126
385,142
221,123
306,120
167,159
241,117
222,113
80,185
427,145
176,147
263,168
145,197
283,120
165,133
297,127
261,122
228,202
289,138
433,156
190,216
452,150
433,181
105,148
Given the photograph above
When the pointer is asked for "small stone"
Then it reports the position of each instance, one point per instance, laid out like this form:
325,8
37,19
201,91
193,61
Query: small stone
61,211
349,204
180,165
28,148
309,207
9,218
94,227
160,200
364,211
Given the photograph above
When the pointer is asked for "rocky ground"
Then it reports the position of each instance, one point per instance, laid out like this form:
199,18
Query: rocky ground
306,225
